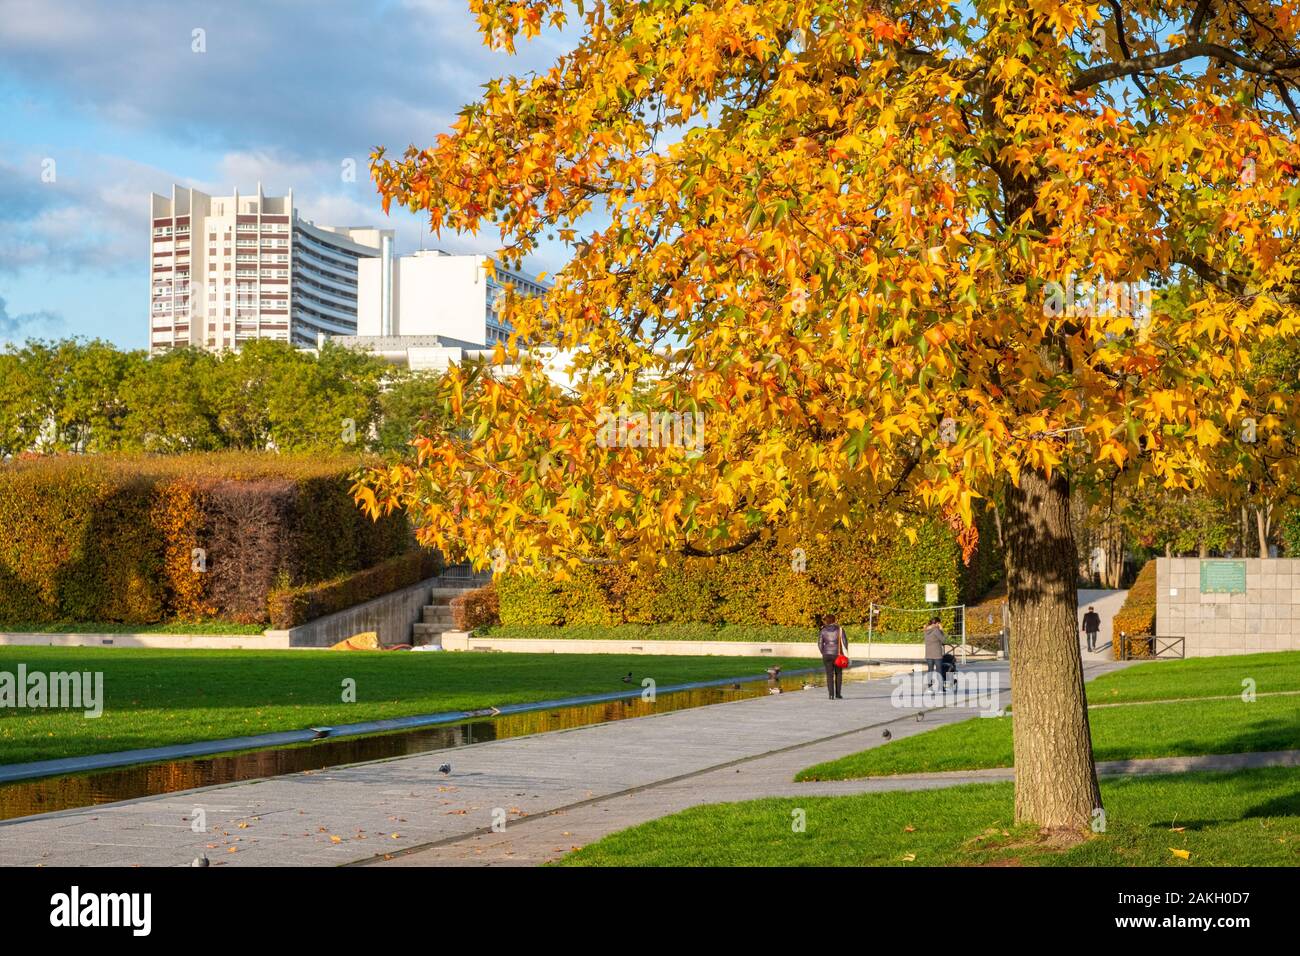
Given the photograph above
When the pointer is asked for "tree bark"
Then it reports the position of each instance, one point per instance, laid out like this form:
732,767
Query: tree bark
1263,527
1056,779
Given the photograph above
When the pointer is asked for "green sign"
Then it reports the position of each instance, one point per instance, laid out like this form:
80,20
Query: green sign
1223,577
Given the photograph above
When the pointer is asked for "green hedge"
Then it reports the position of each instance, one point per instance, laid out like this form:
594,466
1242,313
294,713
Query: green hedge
112,537
290,607
770,634
761,586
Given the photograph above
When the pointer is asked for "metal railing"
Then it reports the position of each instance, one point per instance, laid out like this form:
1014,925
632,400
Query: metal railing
1150,647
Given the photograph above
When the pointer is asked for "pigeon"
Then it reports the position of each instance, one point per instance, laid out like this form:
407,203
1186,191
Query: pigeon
920,715
773,690
807,686
887,735
627,679
445,768
201,860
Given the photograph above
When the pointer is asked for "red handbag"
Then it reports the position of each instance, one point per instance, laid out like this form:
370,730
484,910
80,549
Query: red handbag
841,661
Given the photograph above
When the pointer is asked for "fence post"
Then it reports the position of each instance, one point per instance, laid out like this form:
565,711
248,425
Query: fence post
1123,646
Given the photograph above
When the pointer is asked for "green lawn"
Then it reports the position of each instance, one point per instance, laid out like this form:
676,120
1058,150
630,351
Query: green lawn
1248,818
1118,733
155,697
1171,722
1198,677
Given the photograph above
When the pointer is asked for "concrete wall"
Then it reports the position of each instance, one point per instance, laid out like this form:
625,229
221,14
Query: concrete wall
1264,618
220,642
392,616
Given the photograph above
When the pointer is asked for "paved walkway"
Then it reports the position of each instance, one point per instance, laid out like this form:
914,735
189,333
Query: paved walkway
1107,604
353,814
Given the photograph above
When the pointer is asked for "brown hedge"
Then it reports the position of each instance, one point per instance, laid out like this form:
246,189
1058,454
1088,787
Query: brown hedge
474,609
1138,614
140,539
290,607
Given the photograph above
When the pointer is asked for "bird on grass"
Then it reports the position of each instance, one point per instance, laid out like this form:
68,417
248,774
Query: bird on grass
445,769
627,679
887,735
201,860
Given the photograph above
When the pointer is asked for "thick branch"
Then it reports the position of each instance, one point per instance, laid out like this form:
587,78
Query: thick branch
1132,66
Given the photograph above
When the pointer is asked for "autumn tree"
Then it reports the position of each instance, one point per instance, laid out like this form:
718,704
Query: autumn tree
899,257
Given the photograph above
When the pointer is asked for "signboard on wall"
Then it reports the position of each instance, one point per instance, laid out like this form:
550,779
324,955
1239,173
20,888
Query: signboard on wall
1223,577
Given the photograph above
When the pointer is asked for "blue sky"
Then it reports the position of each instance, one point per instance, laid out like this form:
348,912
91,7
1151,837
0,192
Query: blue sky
113,99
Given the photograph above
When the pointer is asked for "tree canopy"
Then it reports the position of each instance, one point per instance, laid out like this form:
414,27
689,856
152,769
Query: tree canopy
833,228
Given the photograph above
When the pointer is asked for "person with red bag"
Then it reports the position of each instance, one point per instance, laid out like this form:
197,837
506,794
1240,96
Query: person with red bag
834,647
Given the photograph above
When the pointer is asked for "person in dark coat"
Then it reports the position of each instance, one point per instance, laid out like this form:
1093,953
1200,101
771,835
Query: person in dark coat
1091,625
832,643
934,649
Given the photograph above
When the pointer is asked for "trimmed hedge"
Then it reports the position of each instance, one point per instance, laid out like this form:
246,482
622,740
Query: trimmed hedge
290,607
475,609
1138,615
772,633
763,586
114,537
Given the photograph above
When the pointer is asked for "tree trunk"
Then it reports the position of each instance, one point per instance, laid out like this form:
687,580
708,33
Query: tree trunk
1202,549
1056,780
1263,523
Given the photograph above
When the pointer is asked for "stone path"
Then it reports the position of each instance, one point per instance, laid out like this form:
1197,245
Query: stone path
358,813
1107,604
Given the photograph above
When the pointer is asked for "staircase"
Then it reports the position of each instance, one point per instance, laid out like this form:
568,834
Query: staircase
436,616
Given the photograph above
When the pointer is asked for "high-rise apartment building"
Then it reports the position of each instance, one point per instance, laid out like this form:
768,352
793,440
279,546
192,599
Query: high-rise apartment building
227,269
434,293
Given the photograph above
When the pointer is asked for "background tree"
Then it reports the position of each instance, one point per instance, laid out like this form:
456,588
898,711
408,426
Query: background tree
830,227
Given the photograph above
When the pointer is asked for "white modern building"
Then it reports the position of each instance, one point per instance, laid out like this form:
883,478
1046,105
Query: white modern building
228,269
434,293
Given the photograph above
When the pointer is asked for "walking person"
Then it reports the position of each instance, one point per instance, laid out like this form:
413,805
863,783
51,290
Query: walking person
934,649
1091,625
833,644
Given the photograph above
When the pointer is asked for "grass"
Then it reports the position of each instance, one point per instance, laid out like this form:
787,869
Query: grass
116,627
1118,733
1172,713
1247,818
156,697
1198,677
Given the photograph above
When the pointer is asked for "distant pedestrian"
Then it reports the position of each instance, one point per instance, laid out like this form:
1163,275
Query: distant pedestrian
1091,625
833,644
934,649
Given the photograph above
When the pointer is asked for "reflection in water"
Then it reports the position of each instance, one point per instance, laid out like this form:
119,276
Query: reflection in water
88,789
